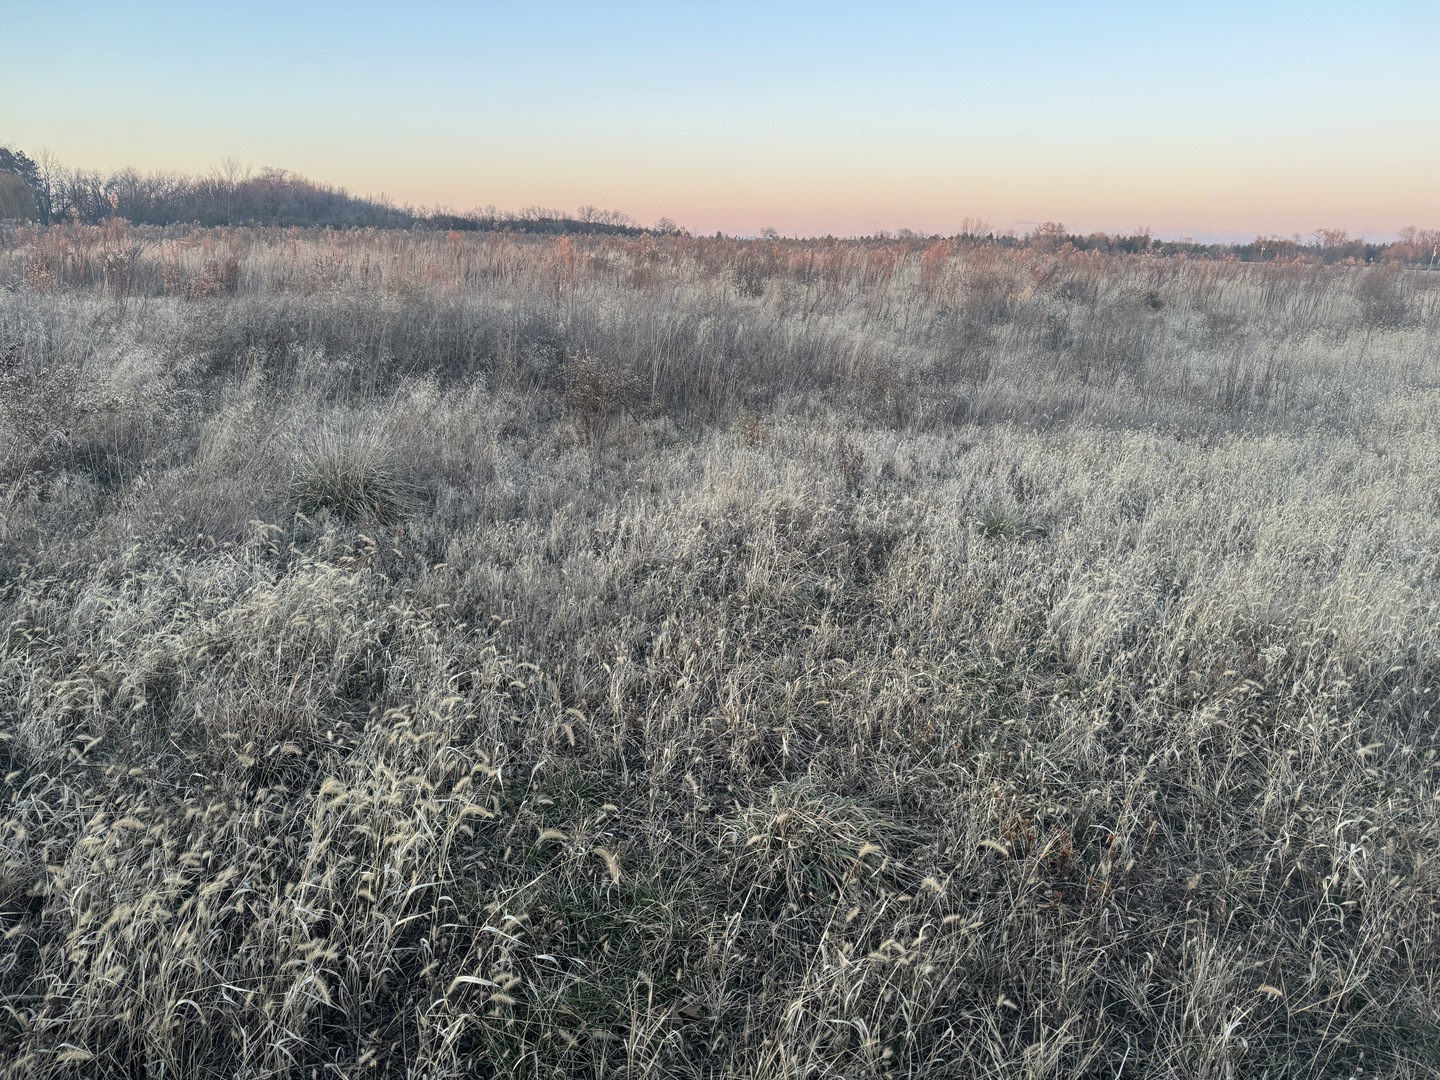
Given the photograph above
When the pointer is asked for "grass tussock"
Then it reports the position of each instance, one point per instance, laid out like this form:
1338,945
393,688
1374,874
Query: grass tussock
353,475
666,657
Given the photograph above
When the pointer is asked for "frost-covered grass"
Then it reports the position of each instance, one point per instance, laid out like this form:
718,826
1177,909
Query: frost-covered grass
687,658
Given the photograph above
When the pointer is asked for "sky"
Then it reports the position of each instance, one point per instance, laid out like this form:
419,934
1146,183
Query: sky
1215,120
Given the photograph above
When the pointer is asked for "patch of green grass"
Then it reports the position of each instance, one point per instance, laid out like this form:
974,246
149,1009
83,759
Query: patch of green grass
996,524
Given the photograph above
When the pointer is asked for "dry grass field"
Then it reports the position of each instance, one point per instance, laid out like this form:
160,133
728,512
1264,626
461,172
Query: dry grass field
469,656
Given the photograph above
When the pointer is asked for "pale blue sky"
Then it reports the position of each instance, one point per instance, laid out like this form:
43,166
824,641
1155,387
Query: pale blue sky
1221,118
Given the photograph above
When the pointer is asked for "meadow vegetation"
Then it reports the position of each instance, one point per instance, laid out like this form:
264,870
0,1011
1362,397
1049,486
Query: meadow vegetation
480,655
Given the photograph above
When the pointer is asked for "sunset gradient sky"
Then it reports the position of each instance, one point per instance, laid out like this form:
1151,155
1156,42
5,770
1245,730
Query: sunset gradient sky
1212,120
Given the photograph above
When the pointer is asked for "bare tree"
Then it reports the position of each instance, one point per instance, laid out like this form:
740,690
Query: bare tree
974,228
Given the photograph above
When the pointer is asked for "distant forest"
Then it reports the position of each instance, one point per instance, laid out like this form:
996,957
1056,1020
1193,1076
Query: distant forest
43,190
234,195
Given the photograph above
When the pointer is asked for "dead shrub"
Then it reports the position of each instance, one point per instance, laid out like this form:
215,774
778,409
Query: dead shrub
599,394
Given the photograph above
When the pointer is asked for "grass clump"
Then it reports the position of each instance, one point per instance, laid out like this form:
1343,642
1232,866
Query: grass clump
354,475
997,524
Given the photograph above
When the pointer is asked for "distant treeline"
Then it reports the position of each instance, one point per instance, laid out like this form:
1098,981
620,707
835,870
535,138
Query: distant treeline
43,190
1415,247
232,195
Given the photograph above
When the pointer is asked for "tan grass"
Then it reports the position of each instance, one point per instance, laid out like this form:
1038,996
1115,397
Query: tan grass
699,658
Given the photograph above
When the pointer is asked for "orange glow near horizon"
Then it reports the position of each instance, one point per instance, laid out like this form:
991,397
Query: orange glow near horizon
809,118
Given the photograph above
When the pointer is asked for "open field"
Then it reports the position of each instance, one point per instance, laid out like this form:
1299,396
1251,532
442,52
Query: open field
672,657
